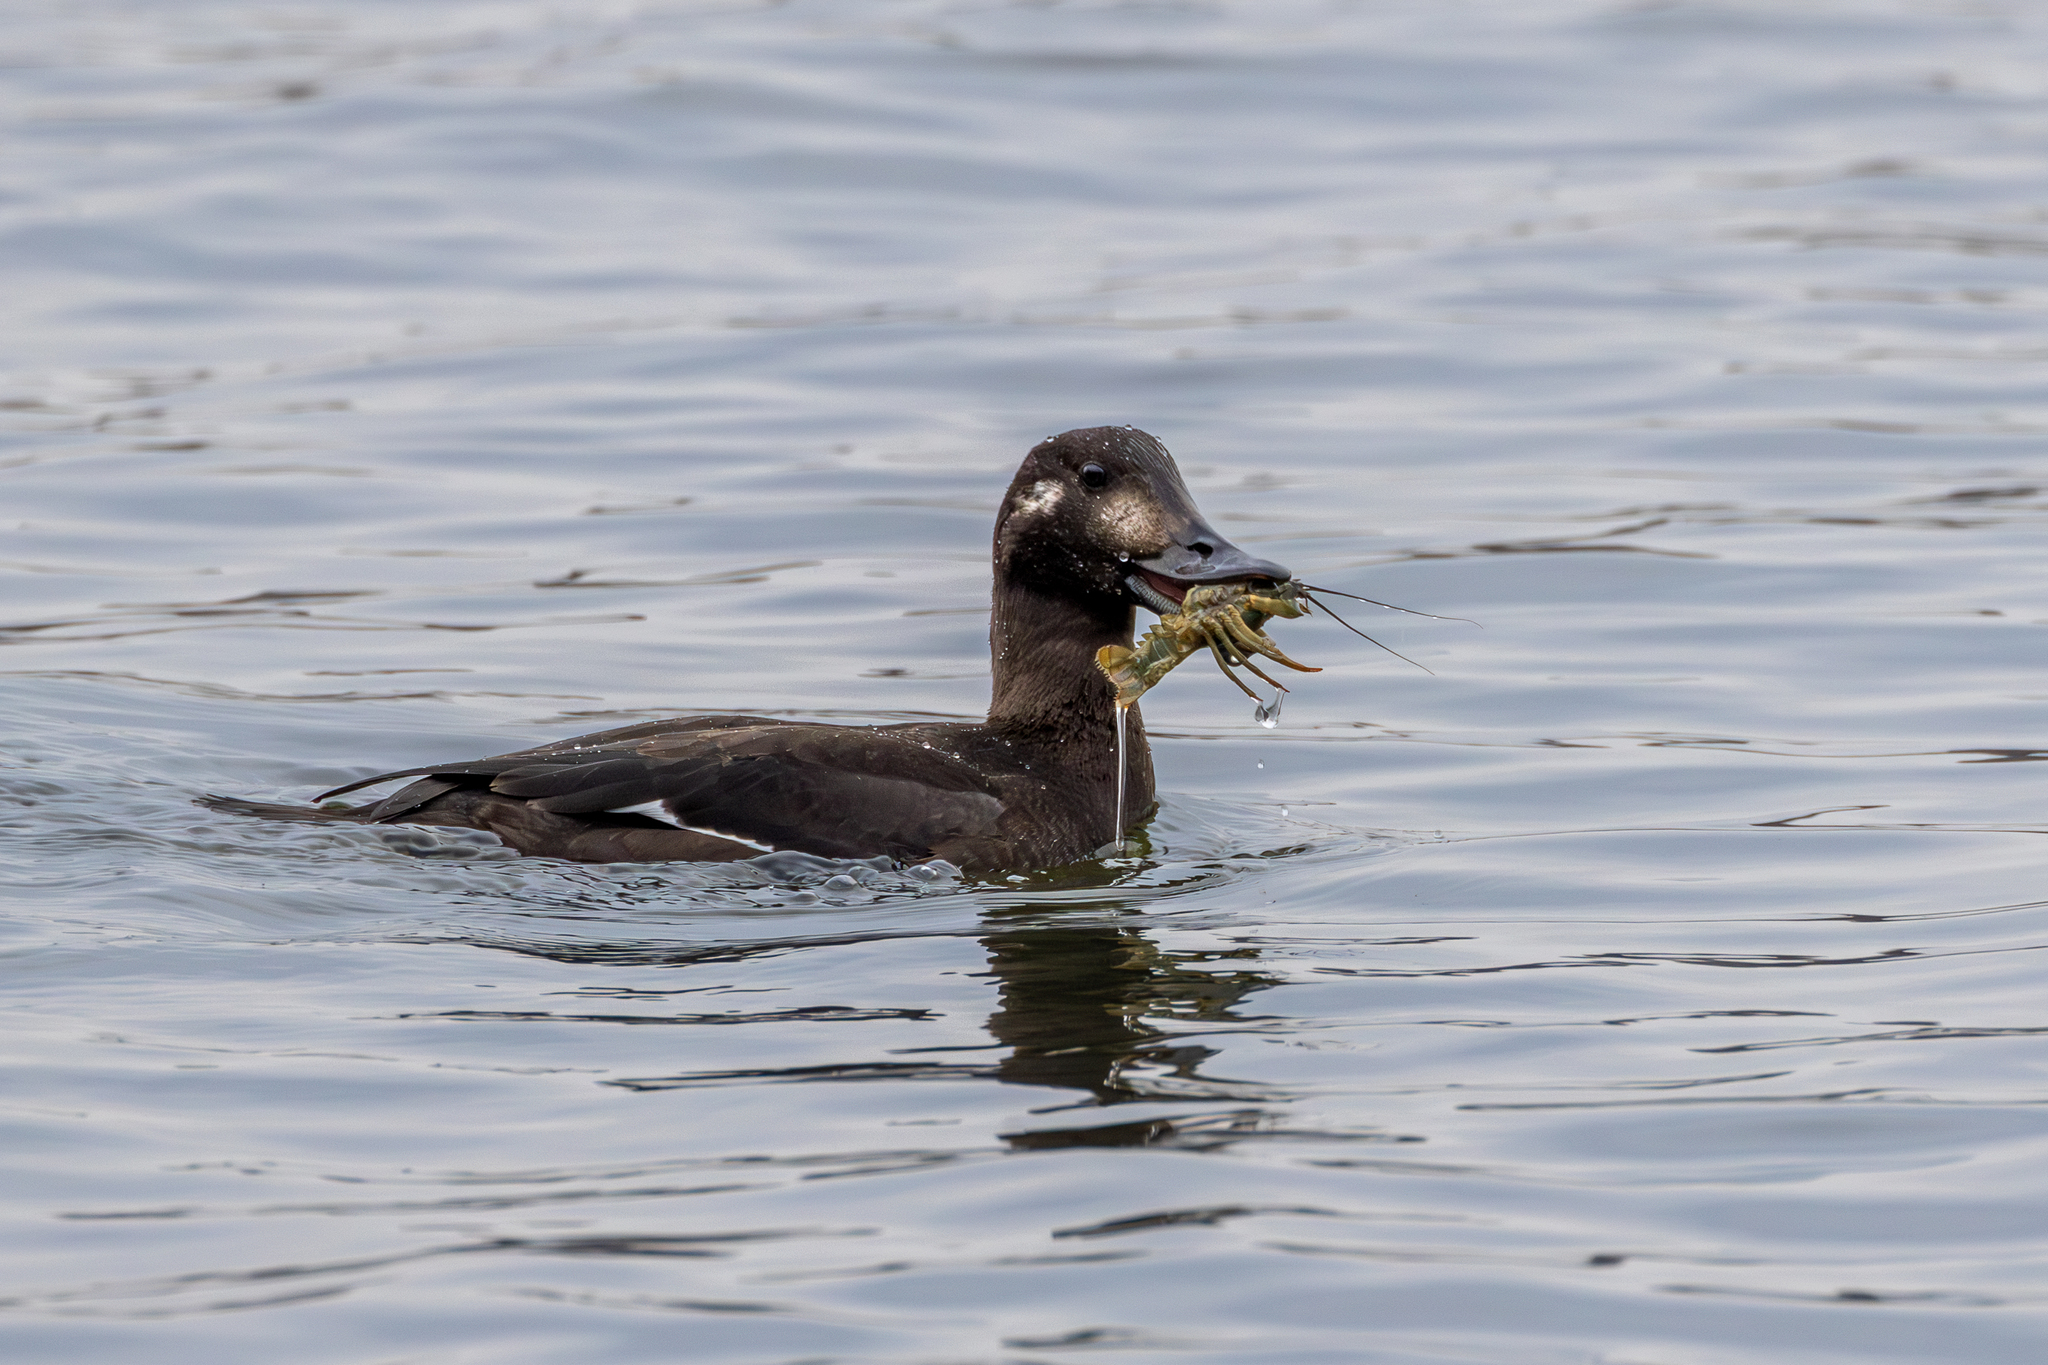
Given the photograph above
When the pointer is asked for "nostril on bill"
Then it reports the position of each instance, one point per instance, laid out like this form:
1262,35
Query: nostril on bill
1203,548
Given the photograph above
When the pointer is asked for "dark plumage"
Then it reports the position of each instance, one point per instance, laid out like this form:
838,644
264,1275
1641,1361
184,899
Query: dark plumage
1033,786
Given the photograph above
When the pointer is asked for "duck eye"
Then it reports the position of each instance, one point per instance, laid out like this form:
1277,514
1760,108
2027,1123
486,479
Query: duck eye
1094,475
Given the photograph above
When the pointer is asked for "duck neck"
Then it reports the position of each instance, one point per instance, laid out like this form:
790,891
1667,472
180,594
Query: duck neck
1047,687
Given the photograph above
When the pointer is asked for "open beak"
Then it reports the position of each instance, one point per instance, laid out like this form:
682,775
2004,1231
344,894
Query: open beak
1196,554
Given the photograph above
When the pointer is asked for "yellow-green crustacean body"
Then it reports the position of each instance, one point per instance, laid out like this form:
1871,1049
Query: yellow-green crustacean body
1224,618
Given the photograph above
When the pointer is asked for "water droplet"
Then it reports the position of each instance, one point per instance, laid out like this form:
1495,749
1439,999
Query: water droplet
1262,765
1268,713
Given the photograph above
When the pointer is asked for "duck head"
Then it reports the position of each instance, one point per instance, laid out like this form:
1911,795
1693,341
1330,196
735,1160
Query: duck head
1100,515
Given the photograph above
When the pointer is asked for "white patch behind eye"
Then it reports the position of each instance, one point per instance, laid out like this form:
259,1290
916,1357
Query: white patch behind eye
1039,499
1131,520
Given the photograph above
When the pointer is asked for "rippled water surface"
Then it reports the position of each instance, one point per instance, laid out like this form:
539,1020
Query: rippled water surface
1651,983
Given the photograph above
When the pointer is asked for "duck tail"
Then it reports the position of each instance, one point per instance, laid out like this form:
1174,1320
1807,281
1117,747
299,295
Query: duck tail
298,815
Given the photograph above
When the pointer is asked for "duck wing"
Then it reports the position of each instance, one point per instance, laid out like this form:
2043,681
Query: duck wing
835,791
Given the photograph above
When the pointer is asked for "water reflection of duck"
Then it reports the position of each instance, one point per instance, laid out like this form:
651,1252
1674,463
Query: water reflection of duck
1095,1007
1081,1009
1093,519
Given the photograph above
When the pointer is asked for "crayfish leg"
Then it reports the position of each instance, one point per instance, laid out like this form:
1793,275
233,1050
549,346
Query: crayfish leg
1261,675
1247,638
1223,664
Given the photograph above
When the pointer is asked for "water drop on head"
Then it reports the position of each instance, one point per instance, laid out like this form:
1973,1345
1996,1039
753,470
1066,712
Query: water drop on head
1268,713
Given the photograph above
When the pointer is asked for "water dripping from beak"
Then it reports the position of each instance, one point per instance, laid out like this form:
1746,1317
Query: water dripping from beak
1117,841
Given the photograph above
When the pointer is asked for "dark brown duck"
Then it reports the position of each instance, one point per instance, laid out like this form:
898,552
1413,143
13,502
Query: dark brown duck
1096,523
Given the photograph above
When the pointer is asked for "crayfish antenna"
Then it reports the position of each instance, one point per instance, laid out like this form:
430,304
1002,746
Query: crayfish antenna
1373,601
1369,640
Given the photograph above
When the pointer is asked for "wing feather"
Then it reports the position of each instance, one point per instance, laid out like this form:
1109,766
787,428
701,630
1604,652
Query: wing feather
818,789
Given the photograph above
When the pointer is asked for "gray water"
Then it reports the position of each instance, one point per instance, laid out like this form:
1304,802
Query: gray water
1650,983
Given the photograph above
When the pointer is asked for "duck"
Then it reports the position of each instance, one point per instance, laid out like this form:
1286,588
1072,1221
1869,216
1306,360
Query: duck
1096,524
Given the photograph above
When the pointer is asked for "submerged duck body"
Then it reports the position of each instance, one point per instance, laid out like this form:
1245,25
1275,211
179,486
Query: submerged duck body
1096,523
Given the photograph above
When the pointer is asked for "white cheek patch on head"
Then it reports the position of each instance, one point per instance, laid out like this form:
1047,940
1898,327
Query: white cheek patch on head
1129,521
1039,499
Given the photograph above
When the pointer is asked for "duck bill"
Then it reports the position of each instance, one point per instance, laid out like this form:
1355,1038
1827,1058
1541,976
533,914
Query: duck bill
1196,554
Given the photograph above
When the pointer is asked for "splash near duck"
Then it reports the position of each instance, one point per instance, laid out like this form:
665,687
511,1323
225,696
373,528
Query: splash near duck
1224,618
